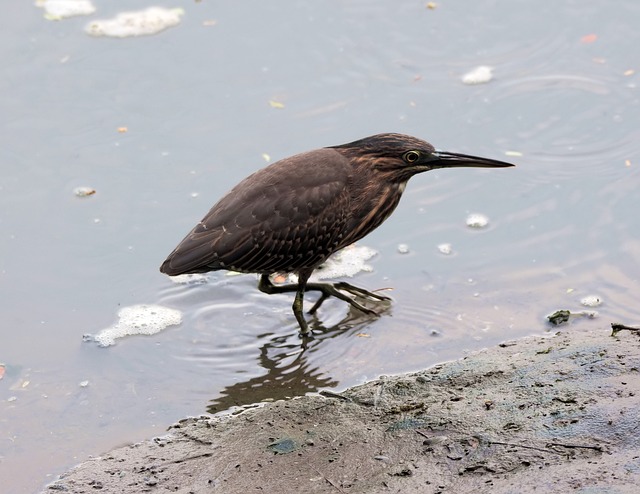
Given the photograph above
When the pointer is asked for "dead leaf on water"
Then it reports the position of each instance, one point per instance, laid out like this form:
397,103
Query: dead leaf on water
589,38
84,191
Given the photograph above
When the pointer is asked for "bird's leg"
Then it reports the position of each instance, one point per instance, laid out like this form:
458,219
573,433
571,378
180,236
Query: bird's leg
266,286
298,302
326,290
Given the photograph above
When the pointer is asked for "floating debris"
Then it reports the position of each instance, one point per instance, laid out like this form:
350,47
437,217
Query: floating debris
55,10
591,301
563,316
477,220
137,319
445,249
479,75
139,23
559,317
276,104
403,249
84,191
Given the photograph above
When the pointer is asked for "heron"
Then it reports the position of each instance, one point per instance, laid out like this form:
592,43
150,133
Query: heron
290,216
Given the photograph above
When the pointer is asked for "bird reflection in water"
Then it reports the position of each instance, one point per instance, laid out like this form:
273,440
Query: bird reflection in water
289,373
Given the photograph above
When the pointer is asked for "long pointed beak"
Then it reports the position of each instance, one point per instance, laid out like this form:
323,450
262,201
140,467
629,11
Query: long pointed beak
443,159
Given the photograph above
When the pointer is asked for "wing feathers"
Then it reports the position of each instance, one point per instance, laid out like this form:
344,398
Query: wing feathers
282,218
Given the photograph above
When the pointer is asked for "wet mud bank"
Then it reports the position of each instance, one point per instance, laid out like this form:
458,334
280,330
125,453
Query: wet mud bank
558,414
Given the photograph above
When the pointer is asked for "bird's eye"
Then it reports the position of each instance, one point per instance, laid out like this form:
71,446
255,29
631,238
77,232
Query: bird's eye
411,156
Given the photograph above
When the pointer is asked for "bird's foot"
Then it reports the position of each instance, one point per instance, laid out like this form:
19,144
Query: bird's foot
336,290
361,292
306,337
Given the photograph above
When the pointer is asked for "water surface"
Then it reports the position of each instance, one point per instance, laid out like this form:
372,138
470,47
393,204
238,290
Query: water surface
195,101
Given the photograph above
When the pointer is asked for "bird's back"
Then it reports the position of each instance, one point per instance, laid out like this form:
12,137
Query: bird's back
285,217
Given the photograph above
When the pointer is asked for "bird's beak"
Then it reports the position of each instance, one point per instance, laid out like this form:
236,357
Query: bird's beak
443,159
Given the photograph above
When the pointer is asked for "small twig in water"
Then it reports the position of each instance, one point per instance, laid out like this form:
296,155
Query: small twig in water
615,327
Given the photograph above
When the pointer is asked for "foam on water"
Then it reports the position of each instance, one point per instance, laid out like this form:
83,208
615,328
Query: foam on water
145,319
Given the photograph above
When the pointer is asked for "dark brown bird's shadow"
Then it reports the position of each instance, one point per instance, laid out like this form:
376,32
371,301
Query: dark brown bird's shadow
285,359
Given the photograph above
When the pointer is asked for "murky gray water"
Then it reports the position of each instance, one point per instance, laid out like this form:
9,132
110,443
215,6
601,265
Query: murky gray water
195,101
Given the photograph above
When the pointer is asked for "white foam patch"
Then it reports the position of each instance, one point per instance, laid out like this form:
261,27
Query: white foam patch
348,262
445,249
190,279
138,23
479,75
477,220
138,319
61,9
591,301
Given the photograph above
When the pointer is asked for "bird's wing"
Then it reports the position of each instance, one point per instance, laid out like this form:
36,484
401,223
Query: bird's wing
284,217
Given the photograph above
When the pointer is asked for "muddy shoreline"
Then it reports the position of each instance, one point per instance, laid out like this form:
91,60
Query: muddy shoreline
557,414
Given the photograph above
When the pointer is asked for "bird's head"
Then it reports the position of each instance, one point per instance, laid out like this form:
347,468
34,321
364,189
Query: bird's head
401,156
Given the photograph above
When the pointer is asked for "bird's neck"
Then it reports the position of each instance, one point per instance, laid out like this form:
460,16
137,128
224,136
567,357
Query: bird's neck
370,209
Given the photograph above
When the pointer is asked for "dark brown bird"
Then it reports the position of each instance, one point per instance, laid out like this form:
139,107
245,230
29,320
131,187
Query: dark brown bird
293,214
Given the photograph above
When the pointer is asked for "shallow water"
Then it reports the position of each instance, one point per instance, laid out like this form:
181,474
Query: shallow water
195,102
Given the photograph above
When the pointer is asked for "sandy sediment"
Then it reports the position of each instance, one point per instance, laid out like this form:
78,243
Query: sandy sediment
558,414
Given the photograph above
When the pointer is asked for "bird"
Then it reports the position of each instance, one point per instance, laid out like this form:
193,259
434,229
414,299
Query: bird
290,216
